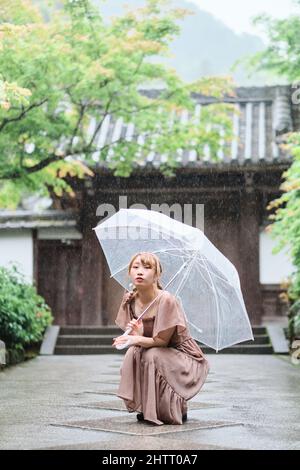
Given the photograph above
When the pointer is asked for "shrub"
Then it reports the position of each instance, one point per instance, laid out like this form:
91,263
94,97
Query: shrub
294,320
24,315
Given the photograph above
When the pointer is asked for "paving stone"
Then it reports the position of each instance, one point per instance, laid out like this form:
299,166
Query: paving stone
128,425
120,406
143,443
111,392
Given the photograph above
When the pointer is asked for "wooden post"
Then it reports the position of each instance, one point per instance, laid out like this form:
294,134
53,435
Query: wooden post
249,251
92,270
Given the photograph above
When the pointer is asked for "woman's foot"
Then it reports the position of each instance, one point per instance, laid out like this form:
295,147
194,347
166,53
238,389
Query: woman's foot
184,417
140,417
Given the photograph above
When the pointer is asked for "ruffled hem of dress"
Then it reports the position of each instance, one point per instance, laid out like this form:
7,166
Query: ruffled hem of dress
171,399
130,404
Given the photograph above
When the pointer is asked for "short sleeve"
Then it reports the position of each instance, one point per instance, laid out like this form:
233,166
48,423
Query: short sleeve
169,315
123,315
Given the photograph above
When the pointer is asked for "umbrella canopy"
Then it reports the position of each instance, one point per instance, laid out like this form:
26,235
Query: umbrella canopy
194,270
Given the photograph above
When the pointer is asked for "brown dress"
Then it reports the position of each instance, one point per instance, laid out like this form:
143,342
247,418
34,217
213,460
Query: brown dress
158,381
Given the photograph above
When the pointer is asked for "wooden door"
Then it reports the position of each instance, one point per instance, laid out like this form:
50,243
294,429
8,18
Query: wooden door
59,279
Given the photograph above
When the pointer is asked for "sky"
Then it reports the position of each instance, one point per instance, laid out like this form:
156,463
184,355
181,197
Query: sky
237,13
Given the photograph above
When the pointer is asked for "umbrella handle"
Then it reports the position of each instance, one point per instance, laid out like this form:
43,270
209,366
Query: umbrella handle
125,345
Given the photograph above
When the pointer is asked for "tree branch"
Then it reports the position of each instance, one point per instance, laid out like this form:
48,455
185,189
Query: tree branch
22,114
81,115
98,127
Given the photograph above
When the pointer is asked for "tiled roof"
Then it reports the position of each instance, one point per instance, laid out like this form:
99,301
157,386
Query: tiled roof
30,219
265,114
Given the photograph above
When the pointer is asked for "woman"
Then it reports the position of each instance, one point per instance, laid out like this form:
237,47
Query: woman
164,367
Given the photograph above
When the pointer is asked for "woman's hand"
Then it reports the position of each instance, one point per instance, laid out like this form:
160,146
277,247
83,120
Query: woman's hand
133,340
135,326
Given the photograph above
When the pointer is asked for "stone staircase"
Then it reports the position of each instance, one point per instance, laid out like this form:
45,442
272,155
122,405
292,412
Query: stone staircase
98,340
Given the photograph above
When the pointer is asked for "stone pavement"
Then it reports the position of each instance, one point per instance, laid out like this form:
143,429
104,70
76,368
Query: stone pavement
69,402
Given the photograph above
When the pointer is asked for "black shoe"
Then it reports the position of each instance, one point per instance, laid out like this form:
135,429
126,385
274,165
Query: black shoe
184,417
140,417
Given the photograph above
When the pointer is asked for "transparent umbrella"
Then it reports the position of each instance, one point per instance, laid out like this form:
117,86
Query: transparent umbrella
205,282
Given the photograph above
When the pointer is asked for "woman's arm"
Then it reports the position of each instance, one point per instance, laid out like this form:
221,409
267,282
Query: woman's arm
136,340
162,340
145,342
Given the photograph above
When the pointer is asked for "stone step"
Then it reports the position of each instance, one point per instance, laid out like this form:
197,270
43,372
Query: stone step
84,349
98,340
240,349
105,349
93,340
89,330
112,329
259,330
258,339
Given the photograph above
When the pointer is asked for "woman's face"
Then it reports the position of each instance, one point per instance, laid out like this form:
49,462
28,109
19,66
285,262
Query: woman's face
142,275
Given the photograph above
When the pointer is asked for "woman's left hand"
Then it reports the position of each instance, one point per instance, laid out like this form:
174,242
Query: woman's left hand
133,340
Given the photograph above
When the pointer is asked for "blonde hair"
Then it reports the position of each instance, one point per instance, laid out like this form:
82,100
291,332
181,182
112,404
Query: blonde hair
148,258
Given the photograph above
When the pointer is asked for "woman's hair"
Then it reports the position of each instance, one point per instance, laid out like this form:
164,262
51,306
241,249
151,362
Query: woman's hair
151,259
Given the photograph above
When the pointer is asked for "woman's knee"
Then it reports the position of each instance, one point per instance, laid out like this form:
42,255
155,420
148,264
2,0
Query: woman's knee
151,354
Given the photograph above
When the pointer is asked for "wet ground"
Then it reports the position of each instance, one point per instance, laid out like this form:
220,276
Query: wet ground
70,402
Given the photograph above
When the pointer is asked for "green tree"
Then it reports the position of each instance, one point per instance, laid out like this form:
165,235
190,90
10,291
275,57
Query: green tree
79,69
282,58
11,93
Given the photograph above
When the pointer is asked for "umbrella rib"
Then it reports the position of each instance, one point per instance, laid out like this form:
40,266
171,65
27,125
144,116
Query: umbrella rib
221,295
193,259
216,275
194,326
217,303
210,285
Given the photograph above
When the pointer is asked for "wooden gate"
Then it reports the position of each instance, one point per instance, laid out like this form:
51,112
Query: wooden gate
59,279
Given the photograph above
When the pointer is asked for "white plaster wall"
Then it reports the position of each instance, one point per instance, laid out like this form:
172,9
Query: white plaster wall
274,268
17,246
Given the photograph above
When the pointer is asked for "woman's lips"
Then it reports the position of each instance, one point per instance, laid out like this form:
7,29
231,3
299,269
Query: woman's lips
139,279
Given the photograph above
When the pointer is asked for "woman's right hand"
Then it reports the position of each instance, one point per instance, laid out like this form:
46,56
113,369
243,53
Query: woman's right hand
135,326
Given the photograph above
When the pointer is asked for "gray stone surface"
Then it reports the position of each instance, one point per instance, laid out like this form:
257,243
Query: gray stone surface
120,406
49,340
2,353
255,406
142,443
129,425
279,342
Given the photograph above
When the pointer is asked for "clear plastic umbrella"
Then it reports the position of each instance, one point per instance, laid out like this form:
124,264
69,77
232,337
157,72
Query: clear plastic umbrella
194,270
